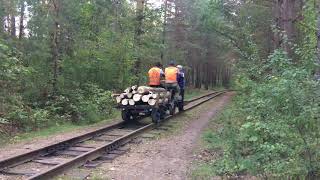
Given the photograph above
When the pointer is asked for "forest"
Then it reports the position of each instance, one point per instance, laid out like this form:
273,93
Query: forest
61,60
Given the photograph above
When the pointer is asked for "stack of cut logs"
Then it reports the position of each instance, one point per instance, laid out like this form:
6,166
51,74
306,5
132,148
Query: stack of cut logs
143,95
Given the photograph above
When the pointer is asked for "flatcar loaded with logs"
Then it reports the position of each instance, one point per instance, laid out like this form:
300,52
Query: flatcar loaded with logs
140,101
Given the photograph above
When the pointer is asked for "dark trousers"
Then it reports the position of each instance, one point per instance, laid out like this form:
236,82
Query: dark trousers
174,87
182,94
156,86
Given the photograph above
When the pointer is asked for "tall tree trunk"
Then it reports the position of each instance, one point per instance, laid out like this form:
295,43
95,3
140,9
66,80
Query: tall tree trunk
21,26
164,28
2,23
198,78
13,25
192,76
207,81
277,18
55,44
138,32
2,16
288,24
318,40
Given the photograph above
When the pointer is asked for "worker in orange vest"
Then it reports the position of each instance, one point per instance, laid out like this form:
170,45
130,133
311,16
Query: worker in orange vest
171,76
155,75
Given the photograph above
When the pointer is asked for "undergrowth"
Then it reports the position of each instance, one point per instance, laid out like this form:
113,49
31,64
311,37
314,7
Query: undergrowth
272,130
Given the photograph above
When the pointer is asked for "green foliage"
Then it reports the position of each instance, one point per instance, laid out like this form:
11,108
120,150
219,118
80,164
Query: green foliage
87,105
272,129
274,126
96,55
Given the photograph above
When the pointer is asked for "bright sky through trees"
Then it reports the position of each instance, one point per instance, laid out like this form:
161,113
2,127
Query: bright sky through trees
156,3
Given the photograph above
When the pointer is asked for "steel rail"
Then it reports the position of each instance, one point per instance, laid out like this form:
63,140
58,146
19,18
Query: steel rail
15,160
79,160
94,154
200,97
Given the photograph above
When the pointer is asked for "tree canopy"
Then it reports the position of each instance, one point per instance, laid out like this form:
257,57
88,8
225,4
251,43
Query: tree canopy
61,60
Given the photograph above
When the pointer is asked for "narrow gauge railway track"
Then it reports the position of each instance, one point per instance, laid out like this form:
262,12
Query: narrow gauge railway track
47,162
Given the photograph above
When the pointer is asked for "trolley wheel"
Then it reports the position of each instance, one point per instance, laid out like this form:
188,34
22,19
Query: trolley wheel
156,116
180,106
162,113
172,108
126,115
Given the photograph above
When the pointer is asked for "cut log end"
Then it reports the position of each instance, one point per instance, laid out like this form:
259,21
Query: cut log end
118,99
131,102
152,102
122,95
128,90
137,97
155,96
135,87
145,98
125,102
129,95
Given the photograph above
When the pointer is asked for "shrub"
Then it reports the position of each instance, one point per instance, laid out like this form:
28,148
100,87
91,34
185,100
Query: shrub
276,130
86,105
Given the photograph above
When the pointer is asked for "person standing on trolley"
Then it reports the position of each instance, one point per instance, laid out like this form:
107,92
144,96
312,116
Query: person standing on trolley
171,78
155,75
181,81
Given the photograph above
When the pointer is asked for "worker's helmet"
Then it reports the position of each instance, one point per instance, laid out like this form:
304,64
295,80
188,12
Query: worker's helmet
179,67
158,64
171,63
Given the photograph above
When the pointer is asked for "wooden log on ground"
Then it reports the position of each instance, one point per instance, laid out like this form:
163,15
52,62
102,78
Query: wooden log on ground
134,92
131,102
152,102
125,102
137,97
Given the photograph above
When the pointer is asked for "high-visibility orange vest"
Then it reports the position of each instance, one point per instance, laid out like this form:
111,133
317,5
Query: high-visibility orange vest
154,76
171,74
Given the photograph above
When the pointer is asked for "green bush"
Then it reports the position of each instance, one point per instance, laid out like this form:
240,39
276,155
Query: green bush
275,127
87,105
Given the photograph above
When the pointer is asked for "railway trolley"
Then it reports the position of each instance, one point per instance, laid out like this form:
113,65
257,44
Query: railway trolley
157,112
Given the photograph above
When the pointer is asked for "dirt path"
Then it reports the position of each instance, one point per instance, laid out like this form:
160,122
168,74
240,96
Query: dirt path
167,158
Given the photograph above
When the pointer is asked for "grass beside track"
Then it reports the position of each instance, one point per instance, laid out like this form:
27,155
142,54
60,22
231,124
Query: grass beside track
174,126
69,127
209,149
53,130
192,93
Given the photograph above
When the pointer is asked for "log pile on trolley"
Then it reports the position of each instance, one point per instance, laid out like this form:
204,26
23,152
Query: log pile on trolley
143,95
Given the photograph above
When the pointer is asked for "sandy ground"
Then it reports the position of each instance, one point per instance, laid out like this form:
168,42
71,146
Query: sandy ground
167,158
